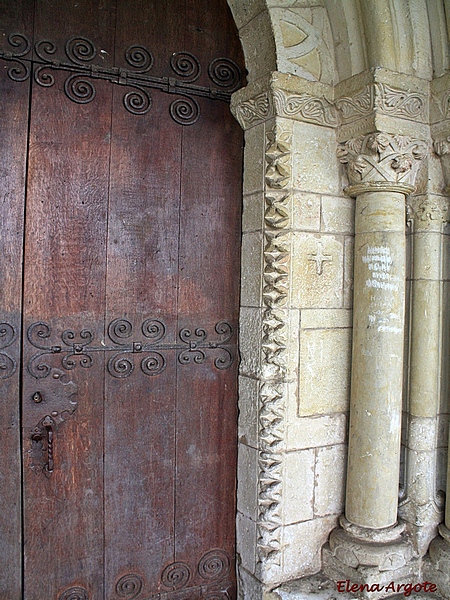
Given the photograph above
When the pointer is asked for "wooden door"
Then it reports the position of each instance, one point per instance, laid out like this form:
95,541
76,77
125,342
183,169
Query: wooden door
120,181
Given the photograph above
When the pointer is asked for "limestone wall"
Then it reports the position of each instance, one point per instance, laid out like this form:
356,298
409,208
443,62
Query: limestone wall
322,75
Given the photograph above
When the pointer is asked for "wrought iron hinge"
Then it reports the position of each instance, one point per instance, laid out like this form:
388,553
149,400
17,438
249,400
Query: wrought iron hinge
79,86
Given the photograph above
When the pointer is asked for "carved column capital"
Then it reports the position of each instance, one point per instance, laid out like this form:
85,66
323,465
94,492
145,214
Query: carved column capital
429,211
442,149
381,160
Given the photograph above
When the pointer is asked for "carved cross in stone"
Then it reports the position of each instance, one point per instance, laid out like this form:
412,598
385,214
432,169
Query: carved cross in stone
319,258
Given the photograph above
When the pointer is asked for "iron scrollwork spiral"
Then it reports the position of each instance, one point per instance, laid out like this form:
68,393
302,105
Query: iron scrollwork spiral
139,58
80,50
19,70
79,89
74,593
210,579
137,102
121,365
8,365
214,565
225,73
77,348
129,586
176,576
81,54
185,111
185,65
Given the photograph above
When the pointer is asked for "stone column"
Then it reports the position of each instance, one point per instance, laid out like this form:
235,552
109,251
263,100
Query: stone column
420,506
370,546
377,363
437,567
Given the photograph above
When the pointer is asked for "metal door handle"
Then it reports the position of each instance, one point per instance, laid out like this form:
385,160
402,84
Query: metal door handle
42,438
48,425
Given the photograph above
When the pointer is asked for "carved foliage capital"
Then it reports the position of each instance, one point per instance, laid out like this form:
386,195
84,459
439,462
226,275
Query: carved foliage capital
382,157
428,210
442,147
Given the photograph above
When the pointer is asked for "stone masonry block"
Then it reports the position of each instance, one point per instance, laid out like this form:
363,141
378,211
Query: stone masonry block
324,381
303,542
243,12
316,431
254,159
330,480
251,278
248,411
338,214
315,165
259,46
246,542
306,211
253,212
317,271
299,487
250,338
247,481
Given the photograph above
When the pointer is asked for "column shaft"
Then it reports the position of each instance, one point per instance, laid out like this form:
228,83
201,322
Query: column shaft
377,361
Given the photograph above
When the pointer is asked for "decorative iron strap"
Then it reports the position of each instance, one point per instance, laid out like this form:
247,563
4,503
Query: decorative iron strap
79,87
78,348
8,336
176,580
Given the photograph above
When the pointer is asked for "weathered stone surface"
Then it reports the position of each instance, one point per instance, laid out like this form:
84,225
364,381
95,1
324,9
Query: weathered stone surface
250,347
253,212
317,277
315,163
251,270
315,431
338,214
254,159
247,481
248,411
306,211
329,480
299,490
246,542
303,543
324,371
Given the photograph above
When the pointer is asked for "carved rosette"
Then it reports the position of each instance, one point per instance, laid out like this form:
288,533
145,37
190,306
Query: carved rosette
382,158
273,386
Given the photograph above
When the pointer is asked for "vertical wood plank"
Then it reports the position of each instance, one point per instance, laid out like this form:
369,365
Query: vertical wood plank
14,100
64,286
142,285
209,264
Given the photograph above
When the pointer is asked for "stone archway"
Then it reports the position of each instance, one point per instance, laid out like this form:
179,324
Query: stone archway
321,74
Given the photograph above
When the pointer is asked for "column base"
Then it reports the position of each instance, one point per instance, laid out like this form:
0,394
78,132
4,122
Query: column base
378,560
437,564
